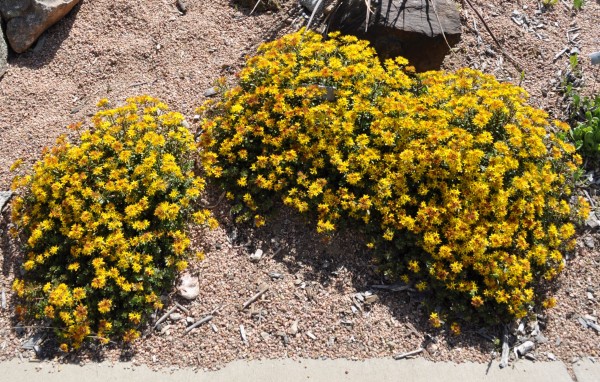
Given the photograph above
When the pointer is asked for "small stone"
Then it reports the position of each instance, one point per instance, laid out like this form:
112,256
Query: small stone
166,330
294,328
432,348
589,296
524,348
196,118
154,358
190,320
265,336
310,335
181,6
360,297
551,357
589,242
211,92
541,339
256,256
275,275
189,287
4,195
371,299
175,316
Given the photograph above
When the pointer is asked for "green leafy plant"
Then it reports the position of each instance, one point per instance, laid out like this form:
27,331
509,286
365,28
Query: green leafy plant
464,190
586,133
103,222
578,4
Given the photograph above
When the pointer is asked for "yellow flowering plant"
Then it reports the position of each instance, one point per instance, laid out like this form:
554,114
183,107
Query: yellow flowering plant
103,221
466,189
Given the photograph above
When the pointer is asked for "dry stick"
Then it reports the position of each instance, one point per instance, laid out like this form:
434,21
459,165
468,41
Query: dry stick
514,62
505,349
439,23
368,4
255,297
183,308
315,10
164,316
198,323
256,5
217,203
243,335
410,353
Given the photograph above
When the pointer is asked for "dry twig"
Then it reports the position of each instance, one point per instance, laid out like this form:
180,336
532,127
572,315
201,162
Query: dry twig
262,291
509,57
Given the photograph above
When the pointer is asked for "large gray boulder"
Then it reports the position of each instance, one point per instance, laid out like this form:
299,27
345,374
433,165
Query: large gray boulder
3,53
26,20
408,28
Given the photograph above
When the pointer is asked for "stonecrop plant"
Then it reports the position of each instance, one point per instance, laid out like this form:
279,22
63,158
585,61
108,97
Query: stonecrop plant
103,222
464,186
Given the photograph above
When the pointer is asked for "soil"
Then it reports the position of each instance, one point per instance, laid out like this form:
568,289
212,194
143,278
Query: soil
119,48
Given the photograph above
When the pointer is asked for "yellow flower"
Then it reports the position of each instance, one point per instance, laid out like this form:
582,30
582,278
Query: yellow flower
104,306
434,320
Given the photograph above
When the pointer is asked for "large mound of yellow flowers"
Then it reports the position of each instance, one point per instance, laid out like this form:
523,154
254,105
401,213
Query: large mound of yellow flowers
454,170
103,222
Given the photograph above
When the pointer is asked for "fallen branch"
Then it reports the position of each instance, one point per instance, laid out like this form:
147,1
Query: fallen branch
440,23
255,6
164,316
243,335
262,291
394,288
512,60
505,349
183,308
409,354
314,12
216,204
198,323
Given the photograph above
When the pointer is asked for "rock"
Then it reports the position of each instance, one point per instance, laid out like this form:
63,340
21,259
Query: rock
524,348
265,336
4,195
181,6
256,256
189,287
3,62
294,328
27,20
589,242
275,275
309,4
551,357
190,320
432,348
371,299
310,335
175,316
407,28
211,92
592,219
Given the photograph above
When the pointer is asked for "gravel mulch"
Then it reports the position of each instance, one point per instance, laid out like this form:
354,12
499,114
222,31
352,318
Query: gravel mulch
320,300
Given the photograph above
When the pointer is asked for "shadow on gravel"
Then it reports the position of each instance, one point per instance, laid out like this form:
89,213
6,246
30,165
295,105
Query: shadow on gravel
318,261
44,49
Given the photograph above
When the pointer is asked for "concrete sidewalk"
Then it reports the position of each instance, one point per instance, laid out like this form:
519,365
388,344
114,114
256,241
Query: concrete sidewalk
287,370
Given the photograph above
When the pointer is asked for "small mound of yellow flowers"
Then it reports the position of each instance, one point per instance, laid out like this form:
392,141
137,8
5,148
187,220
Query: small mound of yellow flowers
103,222
454,171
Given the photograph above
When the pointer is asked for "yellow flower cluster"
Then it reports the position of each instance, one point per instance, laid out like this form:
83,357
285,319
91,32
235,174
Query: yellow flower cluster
453,169
103,221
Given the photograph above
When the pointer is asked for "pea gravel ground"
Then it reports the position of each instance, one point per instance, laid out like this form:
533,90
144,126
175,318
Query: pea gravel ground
317,303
